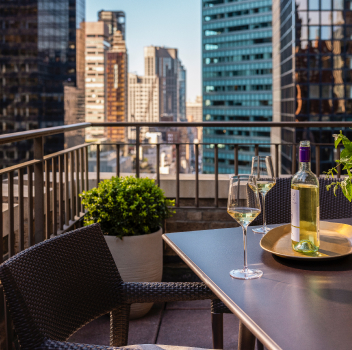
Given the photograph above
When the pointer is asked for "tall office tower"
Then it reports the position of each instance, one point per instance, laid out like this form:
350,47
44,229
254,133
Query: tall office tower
164,63
117,93
237,78
115,20
181,92
143,101
312,71
96,59
41,61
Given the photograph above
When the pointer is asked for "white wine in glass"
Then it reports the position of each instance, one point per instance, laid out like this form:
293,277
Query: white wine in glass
262,169
244,206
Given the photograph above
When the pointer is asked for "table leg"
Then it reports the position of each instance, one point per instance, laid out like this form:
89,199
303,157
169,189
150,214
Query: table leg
260,346
246,340
217,322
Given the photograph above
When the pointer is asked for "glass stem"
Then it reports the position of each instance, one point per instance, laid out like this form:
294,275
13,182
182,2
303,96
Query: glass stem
245,268
264,218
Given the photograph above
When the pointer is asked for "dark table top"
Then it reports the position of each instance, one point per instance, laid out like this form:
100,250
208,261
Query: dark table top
295,305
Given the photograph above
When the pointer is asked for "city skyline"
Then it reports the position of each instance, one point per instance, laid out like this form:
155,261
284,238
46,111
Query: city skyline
184,32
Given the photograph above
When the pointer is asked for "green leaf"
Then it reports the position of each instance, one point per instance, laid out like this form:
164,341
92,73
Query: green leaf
127,206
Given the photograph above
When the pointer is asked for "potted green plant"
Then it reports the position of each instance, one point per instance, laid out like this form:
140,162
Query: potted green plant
131,212
345,162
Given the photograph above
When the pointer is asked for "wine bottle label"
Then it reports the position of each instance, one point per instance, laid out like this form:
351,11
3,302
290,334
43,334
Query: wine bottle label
295,215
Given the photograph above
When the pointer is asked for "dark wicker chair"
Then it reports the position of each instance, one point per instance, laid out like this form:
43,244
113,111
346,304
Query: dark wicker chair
57,286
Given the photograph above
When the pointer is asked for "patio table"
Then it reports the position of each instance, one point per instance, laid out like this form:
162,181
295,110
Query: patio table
295,305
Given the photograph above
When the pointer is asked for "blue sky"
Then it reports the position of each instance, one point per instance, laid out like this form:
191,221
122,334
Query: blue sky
172,23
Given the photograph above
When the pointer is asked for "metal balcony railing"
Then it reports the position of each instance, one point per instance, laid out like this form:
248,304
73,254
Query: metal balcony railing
54,182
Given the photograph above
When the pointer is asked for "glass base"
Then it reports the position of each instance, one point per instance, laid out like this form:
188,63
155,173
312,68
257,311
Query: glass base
247,274
263,229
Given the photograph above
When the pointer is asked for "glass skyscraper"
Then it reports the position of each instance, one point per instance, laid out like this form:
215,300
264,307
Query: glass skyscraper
237,78
312,71
41,71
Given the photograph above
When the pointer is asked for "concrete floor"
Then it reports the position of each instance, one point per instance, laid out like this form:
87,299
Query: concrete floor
180,323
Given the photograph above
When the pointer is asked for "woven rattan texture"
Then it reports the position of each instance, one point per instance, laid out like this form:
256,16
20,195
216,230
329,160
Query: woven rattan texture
277,204
164,292
57,286
333,207
64,282
218,307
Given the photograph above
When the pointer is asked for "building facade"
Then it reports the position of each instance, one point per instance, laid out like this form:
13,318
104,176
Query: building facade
237,78
117,87
194,110
182,78
115,20
41,70
312,71
163,63
143,101
97,45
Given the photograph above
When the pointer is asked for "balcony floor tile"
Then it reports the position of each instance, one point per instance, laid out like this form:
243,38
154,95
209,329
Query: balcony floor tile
179,323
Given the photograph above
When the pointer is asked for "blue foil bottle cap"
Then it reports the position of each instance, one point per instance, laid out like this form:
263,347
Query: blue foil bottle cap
304,151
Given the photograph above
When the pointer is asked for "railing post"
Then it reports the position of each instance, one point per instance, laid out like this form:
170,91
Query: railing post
67,193
137,150
177,175
98,164
236,159
61,193
158,164
117,160
81,162
197,175
216,168
54,192
39,190
276,160
317,160
20,210
11,234
294,159
86,165
73,187
47,197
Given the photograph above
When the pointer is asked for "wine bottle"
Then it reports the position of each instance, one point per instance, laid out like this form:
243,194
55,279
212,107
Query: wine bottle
305,234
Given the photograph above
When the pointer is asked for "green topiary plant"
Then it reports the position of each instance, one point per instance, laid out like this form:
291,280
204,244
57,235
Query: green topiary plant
127,206
346,162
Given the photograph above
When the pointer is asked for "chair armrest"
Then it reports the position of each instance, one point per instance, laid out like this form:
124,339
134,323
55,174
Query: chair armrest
62,345
218,307
147,292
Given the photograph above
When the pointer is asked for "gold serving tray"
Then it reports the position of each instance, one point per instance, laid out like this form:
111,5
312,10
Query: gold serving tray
335,242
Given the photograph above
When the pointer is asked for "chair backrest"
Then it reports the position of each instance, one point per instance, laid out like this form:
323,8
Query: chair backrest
331,206
278,203
57,286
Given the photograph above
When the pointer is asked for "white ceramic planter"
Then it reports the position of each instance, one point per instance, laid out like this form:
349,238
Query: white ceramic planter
138,259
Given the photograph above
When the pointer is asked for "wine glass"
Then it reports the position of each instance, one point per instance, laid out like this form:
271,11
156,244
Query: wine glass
244,206
262,169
